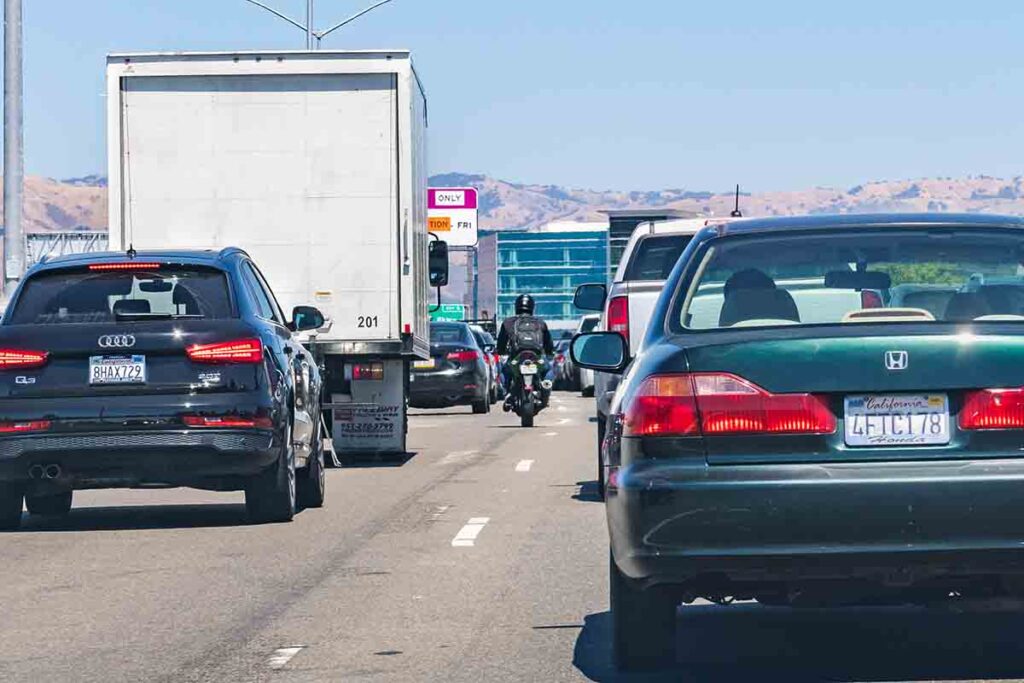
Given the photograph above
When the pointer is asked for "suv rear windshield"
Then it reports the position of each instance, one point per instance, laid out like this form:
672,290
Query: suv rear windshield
654,257
84,296
904,275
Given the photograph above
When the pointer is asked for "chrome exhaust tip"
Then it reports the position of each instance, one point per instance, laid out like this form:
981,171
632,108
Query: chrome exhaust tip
52,471
36,472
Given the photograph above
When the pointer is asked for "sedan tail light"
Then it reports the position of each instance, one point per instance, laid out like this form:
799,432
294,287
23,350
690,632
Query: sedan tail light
227,421
24,426
21,359
993,409
467,356
720,403
618,316
239,351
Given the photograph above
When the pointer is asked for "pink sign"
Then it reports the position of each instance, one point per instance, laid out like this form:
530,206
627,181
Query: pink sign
451,198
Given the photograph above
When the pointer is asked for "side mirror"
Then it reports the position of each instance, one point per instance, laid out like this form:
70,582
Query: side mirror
590,297
306,318
438,263
603,351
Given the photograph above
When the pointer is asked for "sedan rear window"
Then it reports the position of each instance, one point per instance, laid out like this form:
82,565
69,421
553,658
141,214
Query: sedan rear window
904,275
449,334
84,296
654,257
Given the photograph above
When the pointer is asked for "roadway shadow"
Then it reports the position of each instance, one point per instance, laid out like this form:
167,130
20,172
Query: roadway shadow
588,492
357,462
136,517
750,642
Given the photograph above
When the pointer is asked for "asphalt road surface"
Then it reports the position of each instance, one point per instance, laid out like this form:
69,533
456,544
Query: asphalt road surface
481,557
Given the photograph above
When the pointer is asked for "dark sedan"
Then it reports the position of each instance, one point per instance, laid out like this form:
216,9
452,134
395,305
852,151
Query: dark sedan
456,373
787,435
156,369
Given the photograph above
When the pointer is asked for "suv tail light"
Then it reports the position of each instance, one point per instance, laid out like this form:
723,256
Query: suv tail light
127,265
720,403
24,426
466,356
228,421
20,359
993,409
239,351
618,316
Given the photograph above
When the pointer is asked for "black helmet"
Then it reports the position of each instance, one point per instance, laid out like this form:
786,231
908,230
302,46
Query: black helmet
524,304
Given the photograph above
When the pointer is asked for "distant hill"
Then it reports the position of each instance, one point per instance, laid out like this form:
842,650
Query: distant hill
81,203
506,204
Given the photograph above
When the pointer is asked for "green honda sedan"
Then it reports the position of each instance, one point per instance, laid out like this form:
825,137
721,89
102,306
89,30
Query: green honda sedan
825,411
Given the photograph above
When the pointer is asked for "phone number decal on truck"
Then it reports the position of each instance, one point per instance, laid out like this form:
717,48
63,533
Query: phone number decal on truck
368,421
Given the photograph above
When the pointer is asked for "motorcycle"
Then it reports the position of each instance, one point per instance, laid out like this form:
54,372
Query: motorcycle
529,392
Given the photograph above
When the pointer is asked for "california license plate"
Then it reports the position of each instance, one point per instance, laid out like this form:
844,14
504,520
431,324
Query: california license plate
897,420
117,369
424,364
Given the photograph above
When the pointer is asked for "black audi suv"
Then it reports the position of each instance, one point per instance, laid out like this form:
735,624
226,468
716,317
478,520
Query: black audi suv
156,369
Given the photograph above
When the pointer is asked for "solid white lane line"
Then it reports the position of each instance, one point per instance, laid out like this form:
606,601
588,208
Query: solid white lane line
524,466
283,655
468,533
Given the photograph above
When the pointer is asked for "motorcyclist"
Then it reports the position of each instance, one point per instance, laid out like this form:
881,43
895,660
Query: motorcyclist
524,332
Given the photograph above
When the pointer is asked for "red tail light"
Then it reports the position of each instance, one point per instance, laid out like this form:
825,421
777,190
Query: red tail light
239,351
20,359
228,421
664,404
618,316
27,426
993,409
719,403
732,405
559,358
870,299
368,371
127,265
463,356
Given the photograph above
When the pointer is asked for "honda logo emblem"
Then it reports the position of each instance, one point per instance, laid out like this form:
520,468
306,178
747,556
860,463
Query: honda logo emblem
116,341
896,360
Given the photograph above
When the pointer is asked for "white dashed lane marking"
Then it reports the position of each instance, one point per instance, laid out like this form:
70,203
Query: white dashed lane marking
524,466
283,655
564,421
551,434
467,534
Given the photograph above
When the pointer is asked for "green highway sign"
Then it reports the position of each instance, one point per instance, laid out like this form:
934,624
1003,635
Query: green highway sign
449,312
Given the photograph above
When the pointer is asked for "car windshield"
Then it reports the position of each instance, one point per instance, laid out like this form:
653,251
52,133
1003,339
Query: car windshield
654,257
449,334
907,275
84,296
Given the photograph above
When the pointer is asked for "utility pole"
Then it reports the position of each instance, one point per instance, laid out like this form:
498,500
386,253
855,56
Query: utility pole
13,264
307,28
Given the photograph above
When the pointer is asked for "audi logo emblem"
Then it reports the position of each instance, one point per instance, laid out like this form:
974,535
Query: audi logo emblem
116,341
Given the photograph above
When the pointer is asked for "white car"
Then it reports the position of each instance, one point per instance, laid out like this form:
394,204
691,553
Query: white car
650,255
584,377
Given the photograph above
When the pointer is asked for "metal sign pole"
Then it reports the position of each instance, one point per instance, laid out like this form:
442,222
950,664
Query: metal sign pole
13,264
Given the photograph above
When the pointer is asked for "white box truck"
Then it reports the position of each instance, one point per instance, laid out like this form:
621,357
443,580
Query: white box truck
315,164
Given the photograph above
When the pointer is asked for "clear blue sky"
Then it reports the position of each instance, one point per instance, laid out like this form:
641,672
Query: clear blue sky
648,94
